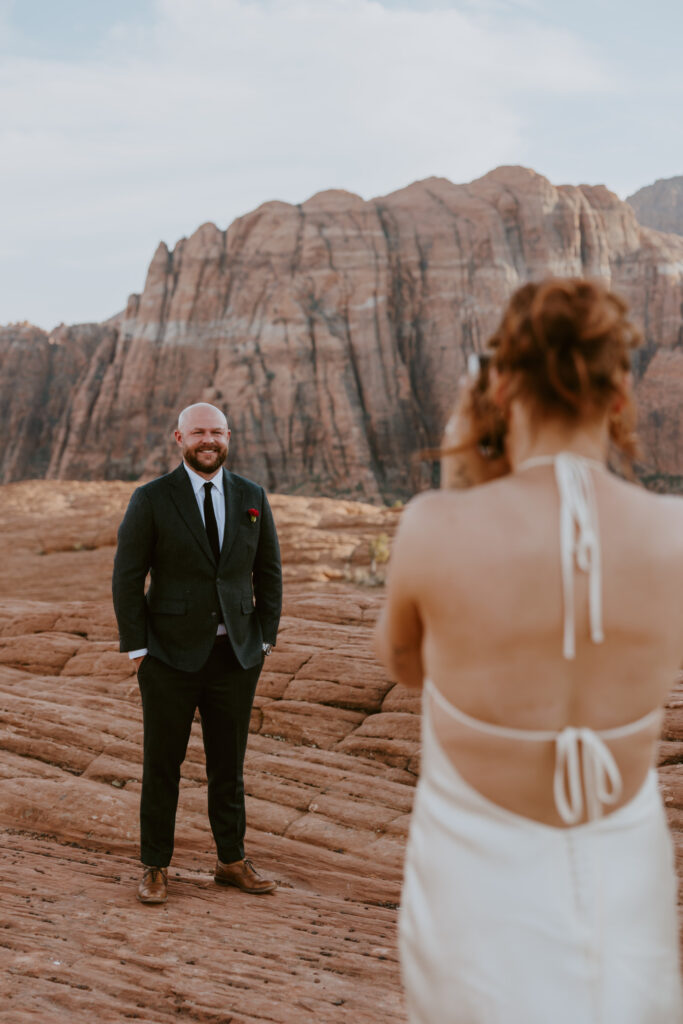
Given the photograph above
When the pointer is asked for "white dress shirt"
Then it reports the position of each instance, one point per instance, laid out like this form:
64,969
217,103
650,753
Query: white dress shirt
217,495
218,498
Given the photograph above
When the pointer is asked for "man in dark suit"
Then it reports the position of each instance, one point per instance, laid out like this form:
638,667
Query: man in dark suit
198,636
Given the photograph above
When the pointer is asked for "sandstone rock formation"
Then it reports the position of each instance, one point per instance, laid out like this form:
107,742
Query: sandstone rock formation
39,374
330,776
334,332
660,206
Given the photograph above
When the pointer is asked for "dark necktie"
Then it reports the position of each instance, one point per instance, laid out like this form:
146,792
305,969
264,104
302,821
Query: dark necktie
210,521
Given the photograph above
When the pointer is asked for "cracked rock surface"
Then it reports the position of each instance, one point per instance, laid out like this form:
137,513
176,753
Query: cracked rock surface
328,799
330,774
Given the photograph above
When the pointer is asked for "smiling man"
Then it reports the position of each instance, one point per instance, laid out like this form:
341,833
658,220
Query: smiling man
198,636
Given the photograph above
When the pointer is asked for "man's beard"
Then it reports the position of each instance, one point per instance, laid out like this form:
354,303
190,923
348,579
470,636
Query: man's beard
205,464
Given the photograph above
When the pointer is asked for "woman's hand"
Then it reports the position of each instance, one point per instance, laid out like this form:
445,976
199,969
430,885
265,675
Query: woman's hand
466,461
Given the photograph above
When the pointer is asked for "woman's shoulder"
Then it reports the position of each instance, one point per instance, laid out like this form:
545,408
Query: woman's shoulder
431,510
657,519
435,502
665,506
668,508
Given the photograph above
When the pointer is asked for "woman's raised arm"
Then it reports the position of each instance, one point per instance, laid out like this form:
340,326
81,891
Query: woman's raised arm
398,635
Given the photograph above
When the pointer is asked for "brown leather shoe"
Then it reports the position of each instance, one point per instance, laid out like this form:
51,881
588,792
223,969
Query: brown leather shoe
153,887
243,875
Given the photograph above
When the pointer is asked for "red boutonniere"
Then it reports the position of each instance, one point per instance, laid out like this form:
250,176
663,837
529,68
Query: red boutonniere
253,514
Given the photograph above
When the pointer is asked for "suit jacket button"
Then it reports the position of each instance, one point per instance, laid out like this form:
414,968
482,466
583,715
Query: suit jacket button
214,615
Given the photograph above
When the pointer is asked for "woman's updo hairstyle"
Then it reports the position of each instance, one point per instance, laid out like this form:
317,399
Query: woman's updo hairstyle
564,345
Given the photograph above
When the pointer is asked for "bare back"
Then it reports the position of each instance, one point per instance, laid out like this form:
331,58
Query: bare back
486,577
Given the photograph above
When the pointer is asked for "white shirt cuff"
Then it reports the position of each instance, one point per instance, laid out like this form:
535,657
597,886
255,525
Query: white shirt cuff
137,654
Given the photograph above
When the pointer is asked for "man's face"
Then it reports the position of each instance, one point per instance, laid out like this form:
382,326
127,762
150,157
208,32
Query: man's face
203,439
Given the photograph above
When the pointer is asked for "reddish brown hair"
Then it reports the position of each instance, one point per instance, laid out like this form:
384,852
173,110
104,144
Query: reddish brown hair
564,344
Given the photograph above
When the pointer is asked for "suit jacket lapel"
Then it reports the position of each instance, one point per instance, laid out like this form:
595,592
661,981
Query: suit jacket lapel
233,510
186,503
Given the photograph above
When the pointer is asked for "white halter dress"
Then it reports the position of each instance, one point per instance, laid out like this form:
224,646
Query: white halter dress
505,920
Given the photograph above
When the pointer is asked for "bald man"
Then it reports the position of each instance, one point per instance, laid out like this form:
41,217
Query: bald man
198,636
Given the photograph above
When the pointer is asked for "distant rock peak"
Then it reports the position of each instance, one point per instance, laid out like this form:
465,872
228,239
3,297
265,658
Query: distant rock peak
660,206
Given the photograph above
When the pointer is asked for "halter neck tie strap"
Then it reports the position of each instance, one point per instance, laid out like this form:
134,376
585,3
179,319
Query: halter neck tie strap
579,539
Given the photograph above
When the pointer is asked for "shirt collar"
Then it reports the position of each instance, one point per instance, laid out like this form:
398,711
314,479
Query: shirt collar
198,481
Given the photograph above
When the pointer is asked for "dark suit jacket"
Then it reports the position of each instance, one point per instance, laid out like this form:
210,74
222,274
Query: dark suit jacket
162,533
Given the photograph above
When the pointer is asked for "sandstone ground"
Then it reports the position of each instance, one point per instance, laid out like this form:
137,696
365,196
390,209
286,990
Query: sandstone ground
330,776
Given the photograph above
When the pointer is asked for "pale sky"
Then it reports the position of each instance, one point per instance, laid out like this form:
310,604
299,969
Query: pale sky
125,123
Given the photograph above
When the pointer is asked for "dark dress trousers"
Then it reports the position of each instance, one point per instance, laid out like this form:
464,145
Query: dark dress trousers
188,667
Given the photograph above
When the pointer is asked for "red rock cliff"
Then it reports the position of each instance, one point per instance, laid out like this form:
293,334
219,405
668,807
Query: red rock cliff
333,334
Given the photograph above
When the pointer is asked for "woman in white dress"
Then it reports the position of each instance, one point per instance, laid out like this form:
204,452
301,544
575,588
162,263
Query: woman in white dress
542,614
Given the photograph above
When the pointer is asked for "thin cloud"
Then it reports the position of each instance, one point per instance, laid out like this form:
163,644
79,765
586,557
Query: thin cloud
221,104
